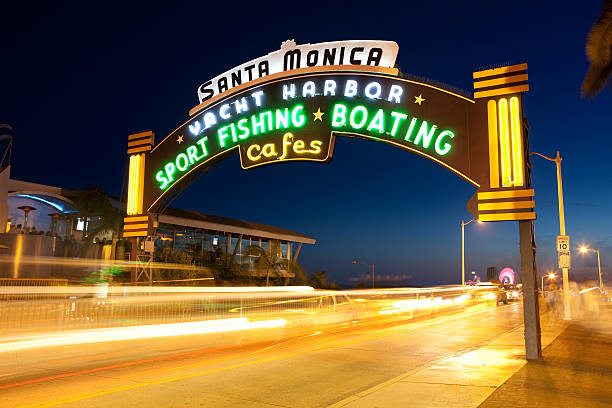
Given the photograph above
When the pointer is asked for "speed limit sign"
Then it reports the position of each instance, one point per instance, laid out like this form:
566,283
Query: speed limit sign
563,243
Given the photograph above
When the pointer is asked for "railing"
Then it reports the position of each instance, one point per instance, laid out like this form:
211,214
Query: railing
62,308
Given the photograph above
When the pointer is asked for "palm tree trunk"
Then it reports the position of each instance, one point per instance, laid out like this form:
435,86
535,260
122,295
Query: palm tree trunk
267,276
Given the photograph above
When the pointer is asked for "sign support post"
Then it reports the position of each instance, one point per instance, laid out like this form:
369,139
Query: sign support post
531,309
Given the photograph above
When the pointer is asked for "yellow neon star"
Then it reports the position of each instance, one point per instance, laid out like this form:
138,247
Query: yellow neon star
419,99
180,139
318,115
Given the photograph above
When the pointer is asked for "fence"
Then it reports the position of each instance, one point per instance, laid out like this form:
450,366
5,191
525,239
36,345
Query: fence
62,308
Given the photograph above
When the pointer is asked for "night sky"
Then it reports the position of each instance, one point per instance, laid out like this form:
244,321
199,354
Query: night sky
77,79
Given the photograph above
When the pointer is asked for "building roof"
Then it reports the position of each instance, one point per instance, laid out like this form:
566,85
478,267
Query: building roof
194,219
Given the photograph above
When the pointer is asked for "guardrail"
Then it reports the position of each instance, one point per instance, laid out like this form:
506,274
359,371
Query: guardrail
91,307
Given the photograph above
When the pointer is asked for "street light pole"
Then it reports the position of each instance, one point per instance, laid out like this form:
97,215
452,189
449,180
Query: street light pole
373,273
585,249
566,298
601,288
463,224
372,266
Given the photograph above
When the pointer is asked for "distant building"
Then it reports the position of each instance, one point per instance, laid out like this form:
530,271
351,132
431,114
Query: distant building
55,228
492,274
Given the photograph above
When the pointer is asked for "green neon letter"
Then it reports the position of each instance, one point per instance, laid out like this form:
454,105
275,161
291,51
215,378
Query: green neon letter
442,151
425,135
182,157
202,144
162,179
397,118
222,136
297,118
339,115
169,167
282,118
378,122
192,153
244,130
260,126
410,129
364,117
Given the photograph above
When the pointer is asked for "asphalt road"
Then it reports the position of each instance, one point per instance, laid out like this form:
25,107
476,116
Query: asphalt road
263,368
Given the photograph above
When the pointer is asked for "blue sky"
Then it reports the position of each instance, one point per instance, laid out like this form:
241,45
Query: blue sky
78,79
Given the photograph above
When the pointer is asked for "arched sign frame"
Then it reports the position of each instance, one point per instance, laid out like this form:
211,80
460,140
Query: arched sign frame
272,118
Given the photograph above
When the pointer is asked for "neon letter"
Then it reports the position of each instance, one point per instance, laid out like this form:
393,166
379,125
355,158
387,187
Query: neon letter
442,151
224,111
202,143
195,128
241,105
169,167
250,155
339,115
209,120
423,133
330,87
377,90
244,130
182,157
308,89
287,141
257,96
353,115
410,129
350,88
397,118
192,153
282,118
395,93
222,135
162,179
298,119
378,122
288,92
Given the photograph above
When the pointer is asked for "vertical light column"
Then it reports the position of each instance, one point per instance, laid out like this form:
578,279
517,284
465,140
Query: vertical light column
504,143
493,144
517,143
136,223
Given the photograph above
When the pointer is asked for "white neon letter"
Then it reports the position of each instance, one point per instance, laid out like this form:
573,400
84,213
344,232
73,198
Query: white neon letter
329,88
241,105
308,89
395,93
350,89
373,90
288,91
224,111
209,120
258,96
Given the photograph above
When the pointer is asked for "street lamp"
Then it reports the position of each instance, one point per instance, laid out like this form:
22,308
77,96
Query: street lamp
463,224
550,277
372,266
584,249
566,299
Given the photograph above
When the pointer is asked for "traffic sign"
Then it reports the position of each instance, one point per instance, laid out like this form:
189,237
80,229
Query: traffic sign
564,259
563,243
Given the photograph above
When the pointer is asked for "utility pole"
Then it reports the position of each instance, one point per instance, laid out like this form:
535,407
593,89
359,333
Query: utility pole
566,297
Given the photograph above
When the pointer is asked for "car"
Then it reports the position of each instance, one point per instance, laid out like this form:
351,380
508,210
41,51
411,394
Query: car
502,296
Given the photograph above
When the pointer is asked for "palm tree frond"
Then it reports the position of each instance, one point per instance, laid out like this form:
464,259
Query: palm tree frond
595,79
599,40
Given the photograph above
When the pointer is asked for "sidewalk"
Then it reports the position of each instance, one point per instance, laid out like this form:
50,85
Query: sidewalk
576,371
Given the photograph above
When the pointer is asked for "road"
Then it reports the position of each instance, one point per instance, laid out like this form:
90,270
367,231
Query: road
275,367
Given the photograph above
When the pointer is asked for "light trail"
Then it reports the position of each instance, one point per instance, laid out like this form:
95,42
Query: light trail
138,332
